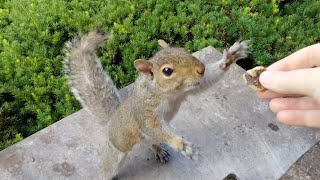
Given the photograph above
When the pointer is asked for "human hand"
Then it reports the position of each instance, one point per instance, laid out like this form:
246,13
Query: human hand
294,87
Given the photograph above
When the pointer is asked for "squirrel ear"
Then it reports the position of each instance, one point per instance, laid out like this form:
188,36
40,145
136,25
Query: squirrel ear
144,66
163,43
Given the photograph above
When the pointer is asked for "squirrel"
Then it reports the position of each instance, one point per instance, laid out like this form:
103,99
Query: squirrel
162,84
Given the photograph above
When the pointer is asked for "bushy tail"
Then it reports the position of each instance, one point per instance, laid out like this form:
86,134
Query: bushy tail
91,86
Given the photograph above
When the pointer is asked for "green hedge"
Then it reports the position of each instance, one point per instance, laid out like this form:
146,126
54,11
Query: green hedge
33,91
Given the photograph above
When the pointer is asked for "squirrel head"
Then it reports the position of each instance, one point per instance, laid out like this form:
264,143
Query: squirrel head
172,69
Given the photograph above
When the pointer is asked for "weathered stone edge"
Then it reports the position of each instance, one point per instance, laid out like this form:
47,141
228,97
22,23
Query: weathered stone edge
306,167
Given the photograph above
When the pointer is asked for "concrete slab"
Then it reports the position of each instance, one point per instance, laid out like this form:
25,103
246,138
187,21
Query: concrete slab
234,131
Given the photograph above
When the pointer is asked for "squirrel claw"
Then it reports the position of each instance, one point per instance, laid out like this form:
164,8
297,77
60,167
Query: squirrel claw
161,153
163,156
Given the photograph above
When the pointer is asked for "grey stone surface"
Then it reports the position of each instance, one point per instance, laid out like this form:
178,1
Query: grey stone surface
227,122
307,166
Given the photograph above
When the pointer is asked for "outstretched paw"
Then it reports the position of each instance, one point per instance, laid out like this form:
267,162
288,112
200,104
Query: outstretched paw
160,153
235,52
189,150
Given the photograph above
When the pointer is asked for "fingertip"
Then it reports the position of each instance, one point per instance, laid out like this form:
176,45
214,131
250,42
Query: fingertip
275,105
265,78
264,95
272,67
280,65
284,117
291,82
289,117
260,95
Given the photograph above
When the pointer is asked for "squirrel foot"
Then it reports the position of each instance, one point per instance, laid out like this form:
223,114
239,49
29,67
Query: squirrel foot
184,147
189,150
237,51
160,153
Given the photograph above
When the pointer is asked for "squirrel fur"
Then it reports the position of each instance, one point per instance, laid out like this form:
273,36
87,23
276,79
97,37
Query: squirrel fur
163,83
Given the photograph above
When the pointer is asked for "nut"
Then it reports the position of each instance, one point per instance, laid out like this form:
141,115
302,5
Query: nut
251,78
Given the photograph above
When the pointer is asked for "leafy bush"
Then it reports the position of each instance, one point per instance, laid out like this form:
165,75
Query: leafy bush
34,93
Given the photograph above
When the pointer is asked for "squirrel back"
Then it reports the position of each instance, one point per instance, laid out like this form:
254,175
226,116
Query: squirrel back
92,87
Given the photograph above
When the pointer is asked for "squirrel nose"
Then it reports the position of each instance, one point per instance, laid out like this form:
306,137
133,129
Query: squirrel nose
200,70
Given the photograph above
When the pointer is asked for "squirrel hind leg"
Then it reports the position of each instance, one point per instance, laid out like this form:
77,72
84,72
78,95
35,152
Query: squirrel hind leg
160,153
112,165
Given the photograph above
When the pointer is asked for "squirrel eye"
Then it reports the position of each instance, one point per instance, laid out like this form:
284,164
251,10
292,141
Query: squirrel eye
167,71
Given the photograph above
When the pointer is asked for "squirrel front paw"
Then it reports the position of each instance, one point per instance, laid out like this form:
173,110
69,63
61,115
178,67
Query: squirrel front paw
235,52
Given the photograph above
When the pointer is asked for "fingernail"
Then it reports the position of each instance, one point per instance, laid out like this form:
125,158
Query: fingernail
265,78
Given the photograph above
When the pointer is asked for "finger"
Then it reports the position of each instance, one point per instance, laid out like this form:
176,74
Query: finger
268,94
300,103
305,58
301,81
307,118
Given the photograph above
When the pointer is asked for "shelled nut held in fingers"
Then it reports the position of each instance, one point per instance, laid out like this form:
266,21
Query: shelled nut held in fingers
251,78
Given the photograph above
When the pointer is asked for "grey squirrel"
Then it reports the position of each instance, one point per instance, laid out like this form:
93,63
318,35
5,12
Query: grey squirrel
163,82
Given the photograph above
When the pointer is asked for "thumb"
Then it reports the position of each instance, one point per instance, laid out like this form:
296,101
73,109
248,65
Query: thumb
302,81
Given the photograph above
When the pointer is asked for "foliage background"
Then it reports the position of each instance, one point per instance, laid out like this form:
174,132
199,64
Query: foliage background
33,91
